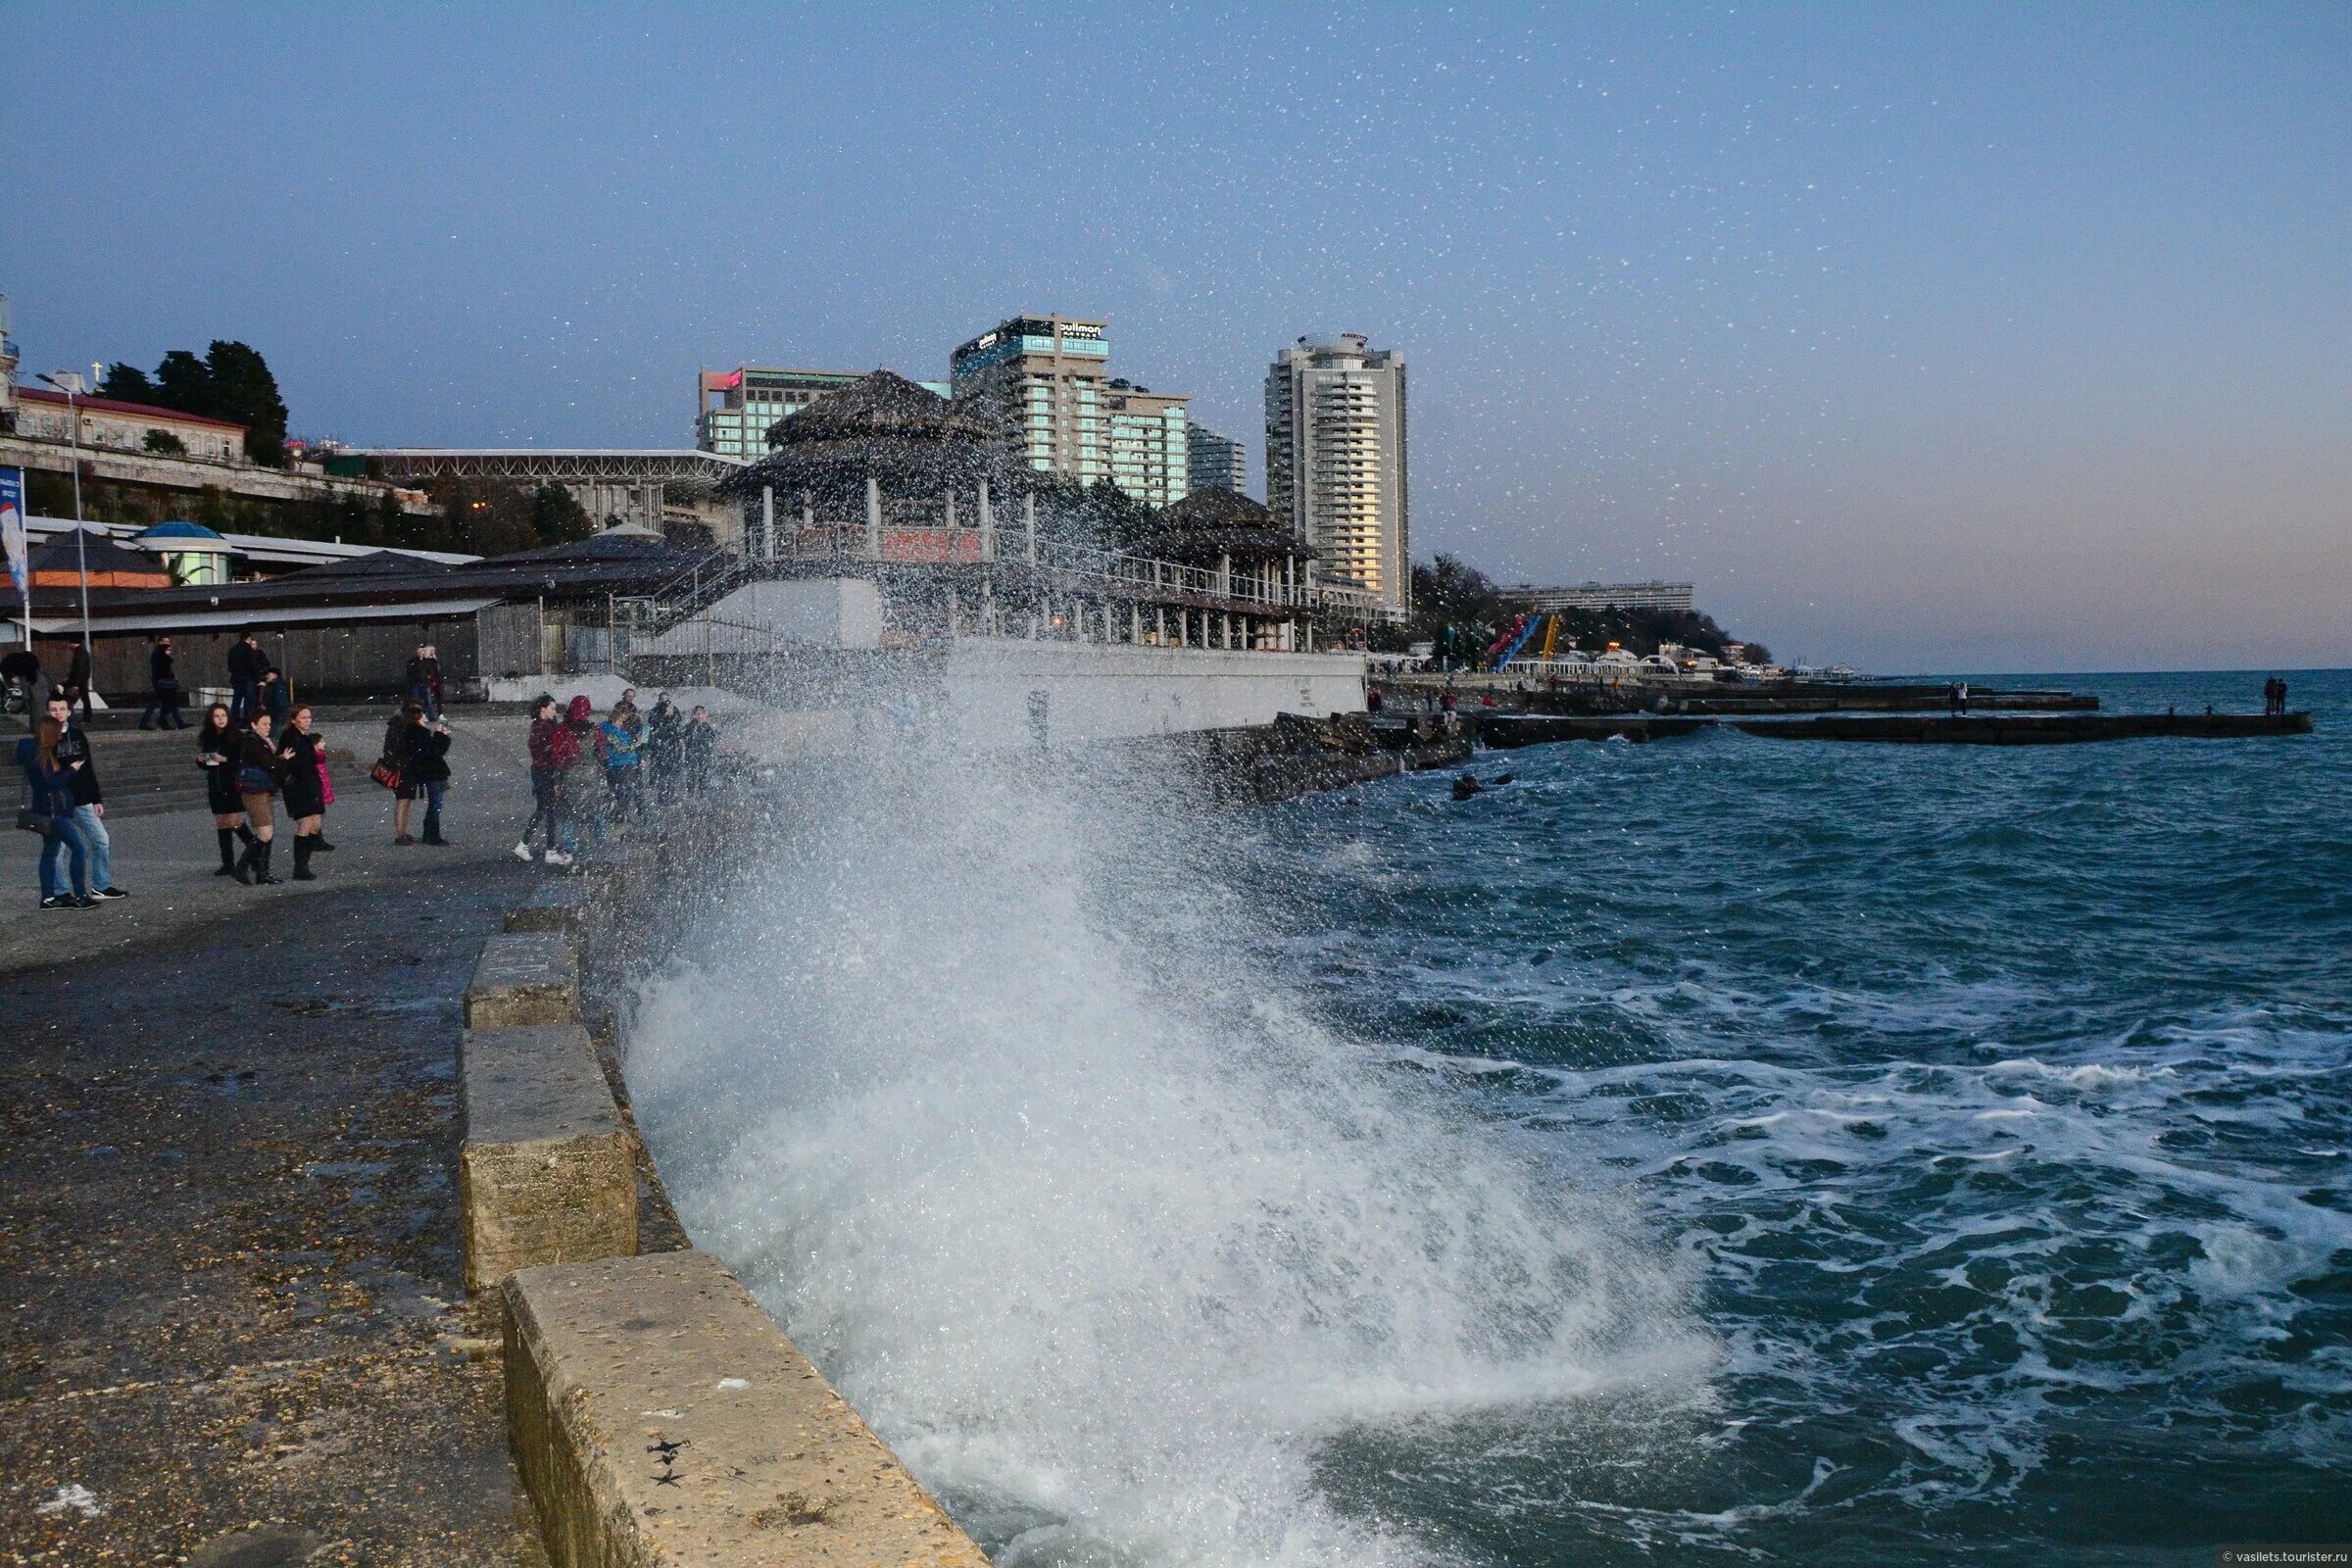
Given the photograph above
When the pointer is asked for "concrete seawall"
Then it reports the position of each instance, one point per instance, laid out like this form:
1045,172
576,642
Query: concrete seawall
656,1415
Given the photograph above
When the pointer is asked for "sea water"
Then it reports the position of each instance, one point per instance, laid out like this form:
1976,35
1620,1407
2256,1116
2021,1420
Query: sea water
1715,1151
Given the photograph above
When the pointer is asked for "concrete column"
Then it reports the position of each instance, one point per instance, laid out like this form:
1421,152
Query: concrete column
1135,621
988,600
1029,525
873,519
1225,577
767,519
988,526
955,546
1159,624
953,610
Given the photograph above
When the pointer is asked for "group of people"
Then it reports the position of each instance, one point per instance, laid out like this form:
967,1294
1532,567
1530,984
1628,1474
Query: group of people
586,769
266,779
2274,696
249,767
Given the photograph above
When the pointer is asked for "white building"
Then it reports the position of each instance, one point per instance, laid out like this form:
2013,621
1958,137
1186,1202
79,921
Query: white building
1335,462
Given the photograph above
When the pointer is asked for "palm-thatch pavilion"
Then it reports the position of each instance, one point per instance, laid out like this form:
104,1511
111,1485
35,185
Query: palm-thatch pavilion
888,482
1249,552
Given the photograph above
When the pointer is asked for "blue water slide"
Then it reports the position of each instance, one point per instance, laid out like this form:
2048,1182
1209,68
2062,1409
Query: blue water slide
1525,632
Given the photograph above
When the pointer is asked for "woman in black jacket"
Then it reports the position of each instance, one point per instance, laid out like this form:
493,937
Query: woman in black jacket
258,768
302,766
422,752
217,748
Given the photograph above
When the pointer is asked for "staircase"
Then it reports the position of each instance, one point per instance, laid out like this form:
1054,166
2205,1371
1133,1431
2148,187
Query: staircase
148,773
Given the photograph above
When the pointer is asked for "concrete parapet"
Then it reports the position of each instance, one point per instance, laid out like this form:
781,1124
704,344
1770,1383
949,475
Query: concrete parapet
546,1172
524,979
658,1416
560,904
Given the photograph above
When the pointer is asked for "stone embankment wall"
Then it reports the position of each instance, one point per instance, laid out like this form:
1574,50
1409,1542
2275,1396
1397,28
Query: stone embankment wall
656,1414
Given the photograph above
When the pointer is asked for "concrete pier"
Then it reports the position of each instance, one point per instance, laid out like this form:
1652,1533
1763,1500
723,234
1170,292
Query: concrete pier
2032,730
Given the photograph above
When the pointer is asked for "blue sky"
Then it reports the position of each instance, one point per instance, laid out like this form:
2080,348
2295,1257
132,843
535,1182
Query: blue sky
1981,336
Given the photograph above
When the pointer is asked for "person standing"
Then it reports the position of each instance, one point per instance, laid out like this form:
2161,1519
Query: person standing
623,776
665,748
302,775
245,663
77,681
257,780
217,755
546,732
422,751
701,750
163,689
579,758
277,698
89,801
425,681
49,798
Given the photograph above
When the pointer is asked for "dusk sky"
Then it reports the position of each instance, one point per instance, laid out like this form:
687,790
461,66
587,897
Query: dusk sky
1970,337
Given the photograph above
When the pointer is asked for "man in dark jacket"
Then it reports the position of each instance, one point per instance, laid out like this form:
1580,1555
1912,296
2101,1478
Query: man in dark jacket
77,680
89,801
245,665
277,698
163,689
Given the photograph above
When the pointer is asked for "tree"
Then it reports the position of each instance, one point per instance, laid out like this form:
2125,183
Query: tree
244,390
231,382
166,443
183,383
127,383
557,518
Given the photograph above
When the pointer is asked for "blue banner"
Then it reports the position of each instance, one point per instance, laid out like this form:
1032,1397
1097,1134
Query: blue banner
12,524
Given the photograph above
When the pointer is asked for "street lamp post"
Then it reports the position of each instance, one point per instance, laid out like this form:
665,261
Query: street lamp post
69,382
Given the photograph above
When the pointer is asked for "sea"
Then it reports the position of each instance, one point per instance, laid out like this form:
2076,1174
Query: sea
1718,1151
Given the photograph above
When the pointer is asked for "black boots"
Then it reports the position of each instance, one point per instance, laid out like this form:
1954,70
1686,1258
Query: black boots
256,861
433,828
228,851
303,845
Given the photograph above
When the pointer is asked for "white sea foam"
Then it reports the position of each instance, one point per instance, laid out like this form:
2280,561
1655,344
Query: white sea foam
988,1101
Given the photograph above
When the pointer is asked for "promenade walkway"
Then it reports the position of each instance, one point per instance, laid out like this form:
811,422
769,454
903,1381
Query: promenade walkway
233,1331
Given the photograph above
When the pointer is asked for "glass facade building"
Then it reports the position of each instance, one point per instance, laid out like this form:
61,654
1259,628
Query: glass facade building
1040,380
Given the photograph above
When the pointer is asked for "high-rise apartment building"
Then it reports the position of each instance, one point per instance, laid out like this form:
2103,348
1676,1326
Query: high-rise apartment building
1148,456
1216,461
735,409
1040,379
1336,461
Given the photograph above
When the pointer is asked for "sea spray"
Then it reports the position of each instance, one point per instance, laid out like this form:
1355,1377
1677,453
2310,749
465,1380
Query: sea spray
985,1095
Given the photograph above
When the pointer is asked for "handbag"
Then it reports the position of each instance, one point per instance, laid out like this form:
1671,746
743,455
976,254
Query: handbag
253,780
388,773
33,821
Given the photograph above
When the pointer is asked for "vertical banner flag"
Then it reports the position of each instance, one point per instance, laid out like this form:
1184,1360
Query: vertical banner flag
12,524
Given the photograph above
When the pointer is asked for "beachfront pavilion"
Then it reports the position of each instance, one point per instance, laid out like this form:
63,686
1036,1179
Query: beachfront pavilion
888,482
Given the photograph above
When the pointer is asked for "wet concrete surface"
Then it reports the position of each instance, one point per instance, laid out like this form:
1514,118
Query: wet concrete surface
235,1331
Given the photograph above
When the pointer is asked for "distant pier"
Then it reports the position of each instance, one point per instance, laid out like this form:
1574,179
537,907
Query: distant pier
2029,729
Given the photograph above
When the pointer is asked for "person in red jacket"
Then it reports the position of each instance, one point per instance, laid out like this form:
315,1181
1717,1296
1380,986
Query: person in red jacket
547,770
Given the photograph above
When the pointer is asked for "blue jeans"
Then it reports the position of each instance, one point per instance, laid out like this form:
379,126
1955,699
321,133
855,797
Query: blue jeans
64,840
243,698
421,693
435,789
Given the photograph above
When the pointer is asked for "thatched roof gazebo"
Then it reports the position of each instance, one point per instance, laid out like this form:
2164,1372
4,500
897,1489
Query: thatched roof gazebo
1214,523
882,468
